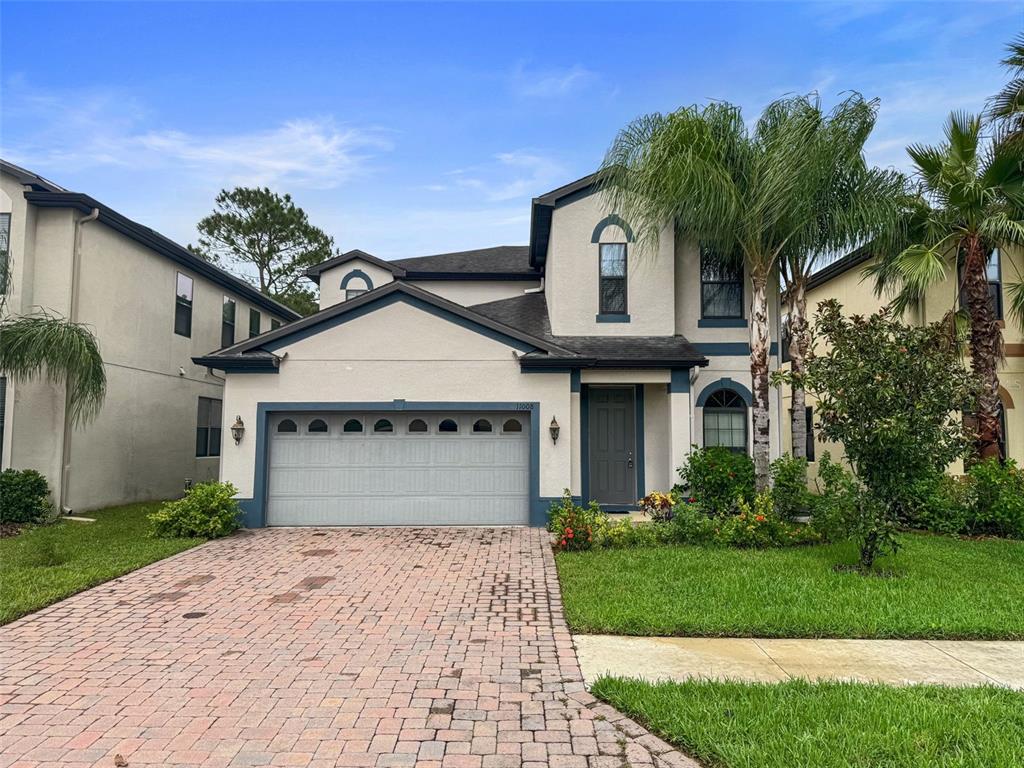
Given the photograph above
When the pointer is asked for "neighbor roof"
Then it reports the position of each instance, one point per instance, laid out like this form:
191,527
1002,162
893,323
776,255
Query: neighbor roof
501,262
839,266
45,194
313,273
529,312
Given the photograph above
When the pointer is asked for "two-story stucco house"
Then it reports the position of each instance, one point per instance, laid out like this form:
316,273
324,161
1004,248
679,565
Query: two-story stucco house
474,387
153,306
844,280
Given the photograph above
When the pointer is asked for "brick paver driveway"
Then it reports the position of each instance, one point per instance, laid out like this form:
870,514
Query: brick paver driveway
371,647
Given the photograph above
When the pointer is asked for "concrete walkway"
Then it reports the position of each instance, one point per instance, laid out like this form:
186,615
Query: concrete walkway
900,662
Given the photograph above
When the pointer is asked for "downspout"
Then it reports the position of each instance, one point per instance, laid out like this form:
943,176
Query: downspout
538,289
65,450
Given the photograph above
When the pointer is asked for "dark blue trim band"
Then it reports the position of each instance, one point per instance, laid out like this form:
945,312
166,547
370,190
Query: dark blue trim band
722,322
255,509
730,348
574,380
612,220
725,383
354,274
608,318
680,380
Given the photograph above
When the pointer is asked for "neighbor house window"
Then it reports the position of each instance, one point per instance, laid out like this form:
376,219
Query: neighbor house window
1002,432
183,305
254,322
5,249
785,337
725,421
612,279
810,434
721,286
993,273
227,323
274,324
208,427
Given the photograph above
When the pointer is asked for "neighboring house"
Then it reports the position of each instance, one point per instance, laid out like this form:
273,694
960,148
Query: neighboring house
153,306
844,280
473,387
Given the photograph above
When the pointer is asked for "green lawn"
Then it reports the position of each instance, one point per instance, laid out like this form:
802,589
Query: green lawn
940,587
46,564
828,725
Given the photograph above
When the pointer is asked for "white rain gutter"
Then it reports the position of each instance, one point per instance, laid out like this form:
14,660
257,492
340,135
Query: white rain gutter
65,450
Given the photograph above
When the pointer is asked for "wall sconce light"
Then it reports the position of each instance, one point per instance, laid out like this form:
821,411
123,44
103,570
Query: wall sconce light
554,429
238,429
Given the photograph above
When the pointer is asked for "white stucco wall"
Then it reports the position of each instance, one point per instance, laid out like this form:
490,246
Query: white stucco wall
331,292
399,352
572,276
470,292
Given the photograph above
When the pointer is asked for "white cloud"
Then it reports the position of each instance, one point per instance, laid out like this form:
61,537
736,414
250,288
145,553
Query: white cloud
509,175
106,128
551,83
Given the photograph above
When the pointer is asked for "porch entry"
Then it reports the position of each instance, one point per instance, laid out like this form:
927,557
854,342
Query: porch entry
611,447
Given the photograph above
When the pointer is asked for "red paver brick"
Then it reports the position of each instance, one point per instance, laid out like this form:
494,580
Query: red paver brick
360,647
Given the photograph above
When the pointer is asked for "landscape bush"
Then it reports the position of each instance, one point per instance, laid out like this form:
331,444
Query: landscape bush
24,497
717,478
576,527
208,511
995,499
789,486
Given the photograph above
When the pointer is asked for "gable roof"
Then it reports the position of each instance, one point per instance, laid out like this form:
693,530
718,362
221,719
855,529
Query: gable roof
245,353
44,194
543,209
313,273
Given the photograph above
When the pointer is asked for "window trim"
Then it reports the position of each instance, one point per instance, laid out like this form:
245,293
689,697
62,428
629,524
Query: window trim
603,314
254,314
227,327
183,305
213,428
740,316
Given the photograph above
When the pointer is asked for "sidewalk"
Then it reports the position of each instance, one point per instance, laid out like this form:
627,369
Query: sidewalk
900,662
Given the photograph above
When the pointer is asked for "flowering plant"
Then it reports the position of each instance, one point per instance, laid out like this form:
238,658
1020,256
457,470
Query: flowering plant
575,527
658,506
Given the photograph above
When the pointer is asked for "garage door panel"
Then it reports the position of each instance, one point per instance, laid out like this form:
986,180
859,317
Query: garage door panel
401,477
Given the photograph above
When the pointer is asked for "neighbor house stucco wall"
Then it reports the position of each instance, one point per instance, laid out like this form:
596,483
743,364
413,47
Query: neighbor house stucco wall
399,352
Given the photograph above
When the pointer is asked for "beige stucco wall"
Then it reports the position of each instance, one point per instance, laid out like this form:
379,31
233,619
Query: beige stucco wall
470,292
331,280
142,445
400,352
572,278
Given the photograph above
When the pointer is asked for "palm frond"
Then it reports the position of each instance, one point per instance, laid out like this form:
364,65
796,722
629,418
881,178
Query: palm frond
1015,293
49,347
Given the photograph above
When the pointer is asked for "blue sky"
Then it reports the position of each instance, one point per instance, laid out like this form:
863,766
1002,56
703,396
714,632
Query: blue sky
414,129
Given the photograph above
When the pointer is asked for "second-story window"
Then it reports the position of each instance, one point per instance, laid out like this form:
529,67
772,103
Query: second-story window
183,305
227,323
721,287
274,323
613,279
993,272
254,322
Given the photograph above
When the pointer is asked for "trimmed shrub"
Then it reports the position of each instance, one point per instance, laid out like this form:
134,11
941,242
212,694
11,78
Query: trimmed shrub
789,486
716,478
24,497
995,499
208,511
692,525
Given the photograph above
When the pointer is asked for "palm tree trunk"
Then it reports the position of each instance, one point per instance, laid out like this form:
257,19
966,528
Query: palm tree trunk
759,342
797,355
986,348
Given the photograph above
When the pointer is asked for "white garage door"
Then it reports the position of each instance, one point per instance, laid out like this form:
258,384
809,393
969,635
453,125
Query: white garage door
399,468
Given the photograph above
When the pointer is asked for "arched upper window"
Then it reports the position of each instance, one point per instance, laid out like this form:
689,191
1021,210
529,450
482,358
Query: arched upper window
612,278
448,425
725,420
512,425
353,425
383,425
317,425
287,425
417,425
482,425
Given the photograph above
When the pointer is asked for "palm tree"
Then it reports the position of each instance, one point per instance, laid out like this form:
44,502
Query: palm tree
760,193
857,203
1006,108
970,202
45,345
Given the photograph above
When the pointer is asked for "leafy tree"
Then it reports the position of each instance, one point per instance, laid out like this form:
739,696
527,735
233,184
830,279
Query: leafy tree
1006,108
898,423
970,201
254,228
761,193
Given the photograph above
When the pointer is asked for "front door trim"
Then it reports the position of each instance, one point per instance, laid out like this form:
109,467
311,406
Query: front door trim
638,401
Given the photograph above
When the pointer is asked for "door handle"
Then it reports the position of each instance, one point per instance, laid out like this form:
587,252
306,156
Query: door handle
629,461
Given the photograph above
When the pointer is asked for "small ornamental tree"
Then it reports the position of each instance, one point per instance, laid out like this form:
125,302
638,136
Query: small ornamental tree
893,395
